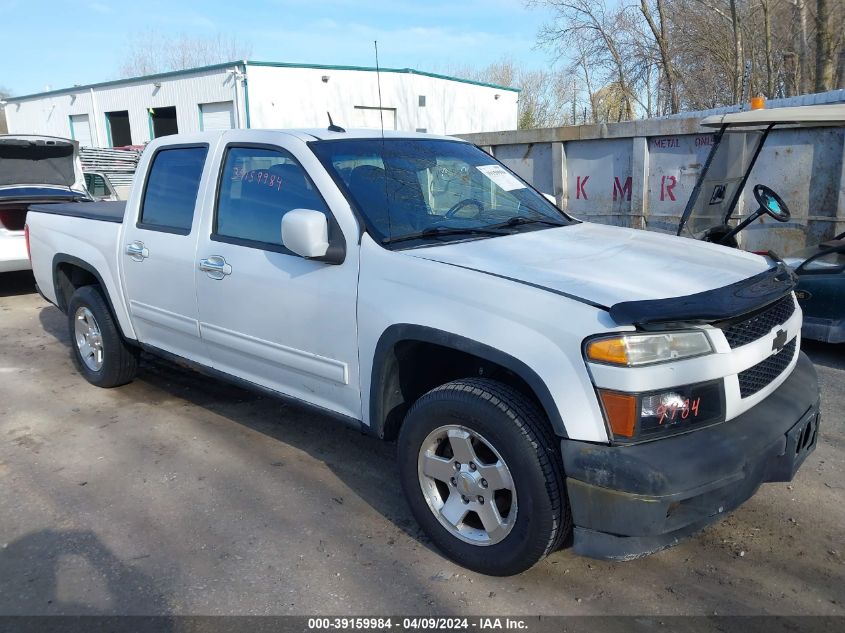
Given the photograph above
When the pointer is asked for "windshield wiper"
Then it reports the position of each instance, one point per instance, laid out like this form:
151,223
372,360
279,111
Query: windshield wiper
439,231
521,219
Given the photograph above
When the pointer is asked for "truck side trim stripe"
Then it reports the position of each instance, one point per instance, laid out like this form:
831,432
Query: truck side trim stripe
164,318
246,384
281,355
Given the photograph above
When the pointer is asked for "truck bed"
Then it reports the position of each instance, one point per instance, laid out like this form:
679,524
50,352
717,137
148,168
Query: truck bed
105,211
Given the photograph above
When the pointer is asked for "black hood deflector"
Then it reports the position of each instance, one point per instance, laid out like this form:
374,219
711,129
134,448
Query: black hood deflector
718,304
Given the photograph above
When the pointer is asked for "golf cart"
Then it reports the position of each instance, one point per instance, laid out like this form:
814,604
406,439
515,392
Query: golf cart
715,212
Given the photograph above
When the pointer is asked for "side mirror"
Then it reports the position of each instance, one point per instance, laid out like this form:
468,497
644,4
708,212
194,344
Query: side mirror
305,232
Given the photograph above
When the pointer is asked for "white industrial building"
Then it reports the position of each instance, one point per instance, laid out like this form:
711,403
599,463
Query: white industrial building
262,95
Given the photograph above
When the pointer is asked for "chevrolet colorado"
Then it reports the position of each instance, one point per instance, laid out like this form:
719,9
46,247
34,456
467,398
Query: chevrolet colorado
548,381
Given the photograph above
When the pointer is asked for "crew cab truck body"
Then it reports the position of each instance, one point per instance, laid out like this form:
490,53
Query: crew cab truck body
545,378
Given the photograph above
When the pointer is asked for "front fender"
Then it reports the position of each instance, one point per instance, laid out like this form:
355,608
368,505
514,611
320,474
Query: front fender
534,333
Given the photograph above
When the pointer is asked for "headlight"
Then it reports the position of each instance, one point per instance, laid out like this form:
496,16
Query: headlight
640,416
633,350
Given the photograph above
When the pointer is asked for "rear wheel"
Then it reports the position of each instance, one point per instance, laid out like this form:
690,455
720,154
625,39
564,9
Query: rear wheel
98,350
482,473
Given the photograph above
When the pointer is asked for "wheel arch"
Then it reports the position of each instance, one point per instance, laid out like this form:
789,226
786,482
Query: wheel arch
70,273
401,345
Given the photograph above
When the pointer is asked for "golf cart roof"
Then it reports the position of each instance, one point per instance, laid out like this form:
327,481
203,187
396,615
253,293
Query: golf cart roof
810,116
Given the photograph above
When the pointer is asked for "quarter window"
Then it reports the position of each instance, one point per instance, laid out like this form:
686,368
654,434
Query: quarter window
257,187
171,192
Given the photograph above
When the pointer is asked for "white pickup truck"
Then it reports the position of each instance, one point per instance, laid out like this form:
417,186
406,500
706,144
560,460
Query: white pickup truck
550,382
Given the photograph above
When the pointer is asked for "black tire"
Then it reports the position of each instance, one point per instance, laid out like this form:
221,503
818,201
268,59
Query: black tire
120,360
521,434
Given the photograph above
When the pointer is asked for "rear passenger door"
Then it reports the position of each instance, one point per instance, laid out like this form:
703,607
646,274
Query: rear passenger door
268,315
158,251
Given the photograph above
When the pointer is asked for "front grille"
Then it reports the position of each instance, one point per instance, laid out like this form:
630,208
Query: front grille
760,324
755,378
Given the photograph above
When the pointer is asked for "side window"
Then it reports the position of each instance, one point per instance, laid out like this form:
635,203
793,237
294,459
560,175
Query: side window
96,185
171,192
257,187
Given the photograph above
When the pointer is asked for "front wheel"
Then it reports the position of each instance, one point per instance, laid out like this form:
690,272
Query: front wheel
99,351
482,473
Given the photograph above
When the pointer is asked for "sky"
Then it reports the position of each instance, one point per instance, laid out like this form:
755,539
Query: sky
58,44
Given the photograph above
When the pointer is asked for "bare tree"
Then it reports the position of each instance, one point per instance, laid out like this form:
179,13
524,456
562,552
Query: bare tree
663,56
801,43
661,37
824,47
153,52
840,81
736,23
770,72
602,28
545,96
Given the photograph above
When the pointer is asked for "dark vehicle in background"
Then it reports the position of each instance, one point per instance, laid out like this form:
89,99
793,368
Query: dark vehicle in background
821,289
33,170
99,186
711,213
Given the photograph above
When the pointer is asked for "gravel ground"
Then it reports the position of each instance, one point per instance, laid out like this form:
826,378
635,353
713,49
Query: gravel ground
178,494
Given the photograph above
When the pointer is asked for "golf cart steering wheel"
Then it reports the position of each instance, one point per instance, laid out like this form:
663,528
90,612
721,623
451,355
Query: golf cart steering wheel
771,203
464,203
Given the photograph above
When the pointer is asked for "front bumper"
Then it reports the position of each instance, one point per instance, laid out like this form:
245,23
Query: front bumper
630,501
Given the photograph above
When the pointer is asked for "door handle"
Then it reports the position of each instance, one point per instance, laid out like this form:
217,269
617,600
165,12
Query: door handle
137,251
215,267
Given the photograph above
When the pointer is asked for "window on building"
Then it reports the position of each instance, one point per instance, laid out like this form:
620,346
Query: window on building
422,130
163,121
257,187
171,192
117,123
422,101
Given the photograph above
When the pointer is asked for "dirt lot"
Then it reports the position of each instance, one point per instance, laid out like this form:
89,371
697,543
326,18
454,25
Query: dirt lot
177,494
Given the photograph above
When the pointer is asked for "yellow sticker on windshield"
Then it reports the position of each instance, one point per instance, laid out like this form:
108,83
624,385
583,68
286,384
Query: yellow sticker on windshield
501,177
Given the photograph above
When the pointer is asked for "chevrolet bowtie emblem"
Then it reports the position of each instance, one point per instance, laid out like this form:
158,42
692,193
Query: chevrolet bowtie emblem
779,340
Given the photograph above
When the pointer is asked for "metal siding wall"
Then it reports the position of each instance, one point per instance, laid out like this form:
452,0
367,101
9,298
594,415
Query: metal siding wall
282,97
50,114
597,181
530,161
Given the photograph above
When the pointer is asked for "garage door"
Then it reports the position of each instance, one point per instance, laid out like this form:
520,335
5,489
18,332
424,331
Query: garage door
217,116
370,117
80,129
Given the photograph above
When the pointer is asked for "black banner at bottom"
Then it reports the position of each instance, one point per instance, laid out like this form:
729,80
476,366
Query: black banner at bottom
410,624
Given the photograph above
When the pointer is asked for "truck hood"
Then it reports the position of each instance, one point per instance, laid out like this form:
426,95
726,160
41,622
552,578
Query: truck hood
39,160
603,265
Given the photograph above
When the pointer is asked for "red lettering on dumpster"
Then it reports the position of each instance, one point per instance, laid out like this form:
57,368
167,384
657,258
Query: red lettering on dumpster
622,190
580,192
667,184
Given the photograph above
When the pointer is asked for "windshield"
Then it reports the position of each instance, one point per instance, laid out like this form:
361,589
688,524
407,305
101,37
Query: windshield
413,191
714,200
